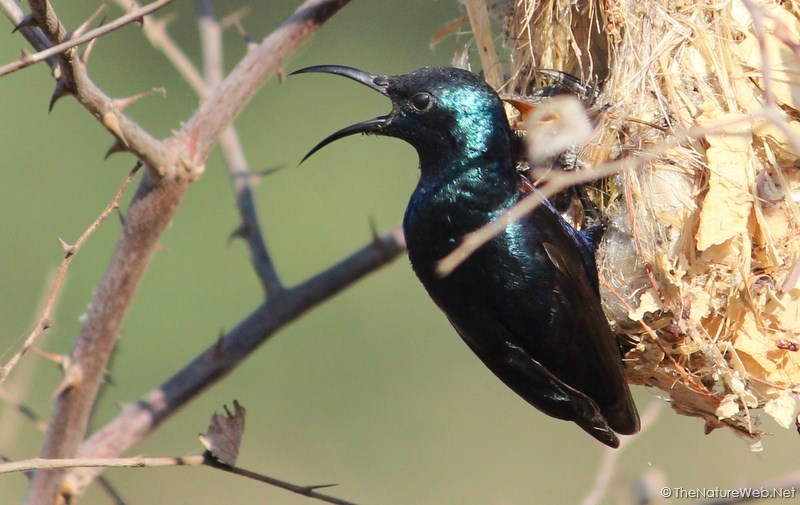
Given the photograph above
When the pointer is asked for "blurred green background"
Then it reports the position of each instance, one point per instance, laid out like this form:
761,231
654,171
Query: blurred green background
373,390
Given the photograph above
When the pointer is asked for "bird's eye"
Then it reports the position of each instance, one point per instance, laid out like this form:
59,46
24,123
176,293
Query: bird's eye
421,101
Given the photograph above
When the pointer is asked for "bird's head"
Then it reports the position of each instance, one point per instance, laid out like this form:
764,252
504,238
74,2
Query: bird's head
441,111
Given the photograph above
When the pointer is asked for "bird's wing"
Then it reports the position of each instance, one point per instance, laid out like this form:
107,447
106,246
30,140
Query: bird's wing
594,357
539,387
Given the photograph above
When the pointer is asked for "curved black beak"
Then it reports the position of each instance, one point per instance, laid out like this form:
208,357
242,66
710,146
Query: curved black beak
379,83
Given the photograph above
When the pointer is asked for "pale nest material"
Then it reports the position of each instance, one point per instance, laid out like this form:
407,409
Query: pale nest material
700,264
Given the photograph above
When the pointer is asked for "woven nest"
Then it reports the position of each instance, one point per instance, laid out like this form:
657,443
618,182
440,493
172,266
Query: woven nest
700,263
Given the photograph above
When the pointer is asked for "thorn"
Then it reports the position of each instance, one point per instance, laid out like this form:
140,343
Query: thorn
253,178
110,120
116,147
58,359
69,249
161,24
88,51
108,379
59,92
218,353
121,218
27,21
314,487
82,28
25,56
373,230
73,377
235,17
121,103
257,176
45,323
240,231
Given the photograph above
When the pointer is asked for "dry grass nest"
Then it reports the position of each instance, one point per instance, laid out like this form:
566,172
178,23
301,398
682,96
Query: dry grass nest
696,104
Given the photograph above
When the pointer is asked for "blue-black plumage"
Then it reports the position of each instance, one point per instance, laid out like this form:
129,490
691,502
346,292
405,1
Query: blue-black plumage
527,302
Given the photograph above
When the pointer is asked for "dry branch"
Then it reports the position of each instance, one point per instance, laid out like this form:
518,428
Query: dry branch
235,160
70,250
143,462
137,421
172,163
30,59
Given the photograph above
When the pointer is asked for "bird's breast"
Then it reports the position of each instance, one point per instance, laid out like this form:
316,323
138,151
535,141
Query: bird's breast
436,223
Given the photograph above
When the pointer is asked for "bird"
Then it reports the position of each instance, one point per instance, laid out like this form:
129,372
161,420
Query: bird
527,302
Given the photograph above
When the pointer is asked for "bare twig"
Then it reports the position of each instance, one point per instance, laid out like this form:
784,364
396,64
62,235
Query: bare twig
32,34
152,209
211,42
215,114
69,253
137,421
142,462
235,160
135,462
149,214
23,409
156,33
250,230
173,163
309,491
30,59
111,491
71,78
40,424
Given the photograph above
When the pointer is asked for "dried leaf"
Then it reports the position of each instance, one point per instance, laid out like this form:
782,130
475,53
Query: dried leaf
225,434
648,302
727,205
786,311
782,408
784,65
728,407
779,366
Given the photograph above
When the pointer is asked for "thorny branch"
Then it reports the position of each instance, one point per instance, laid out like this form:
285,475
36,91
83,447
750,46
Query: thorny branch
137,421
142,462
240,175
30,59
70,250
171,164
156,33
41,425
309,491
